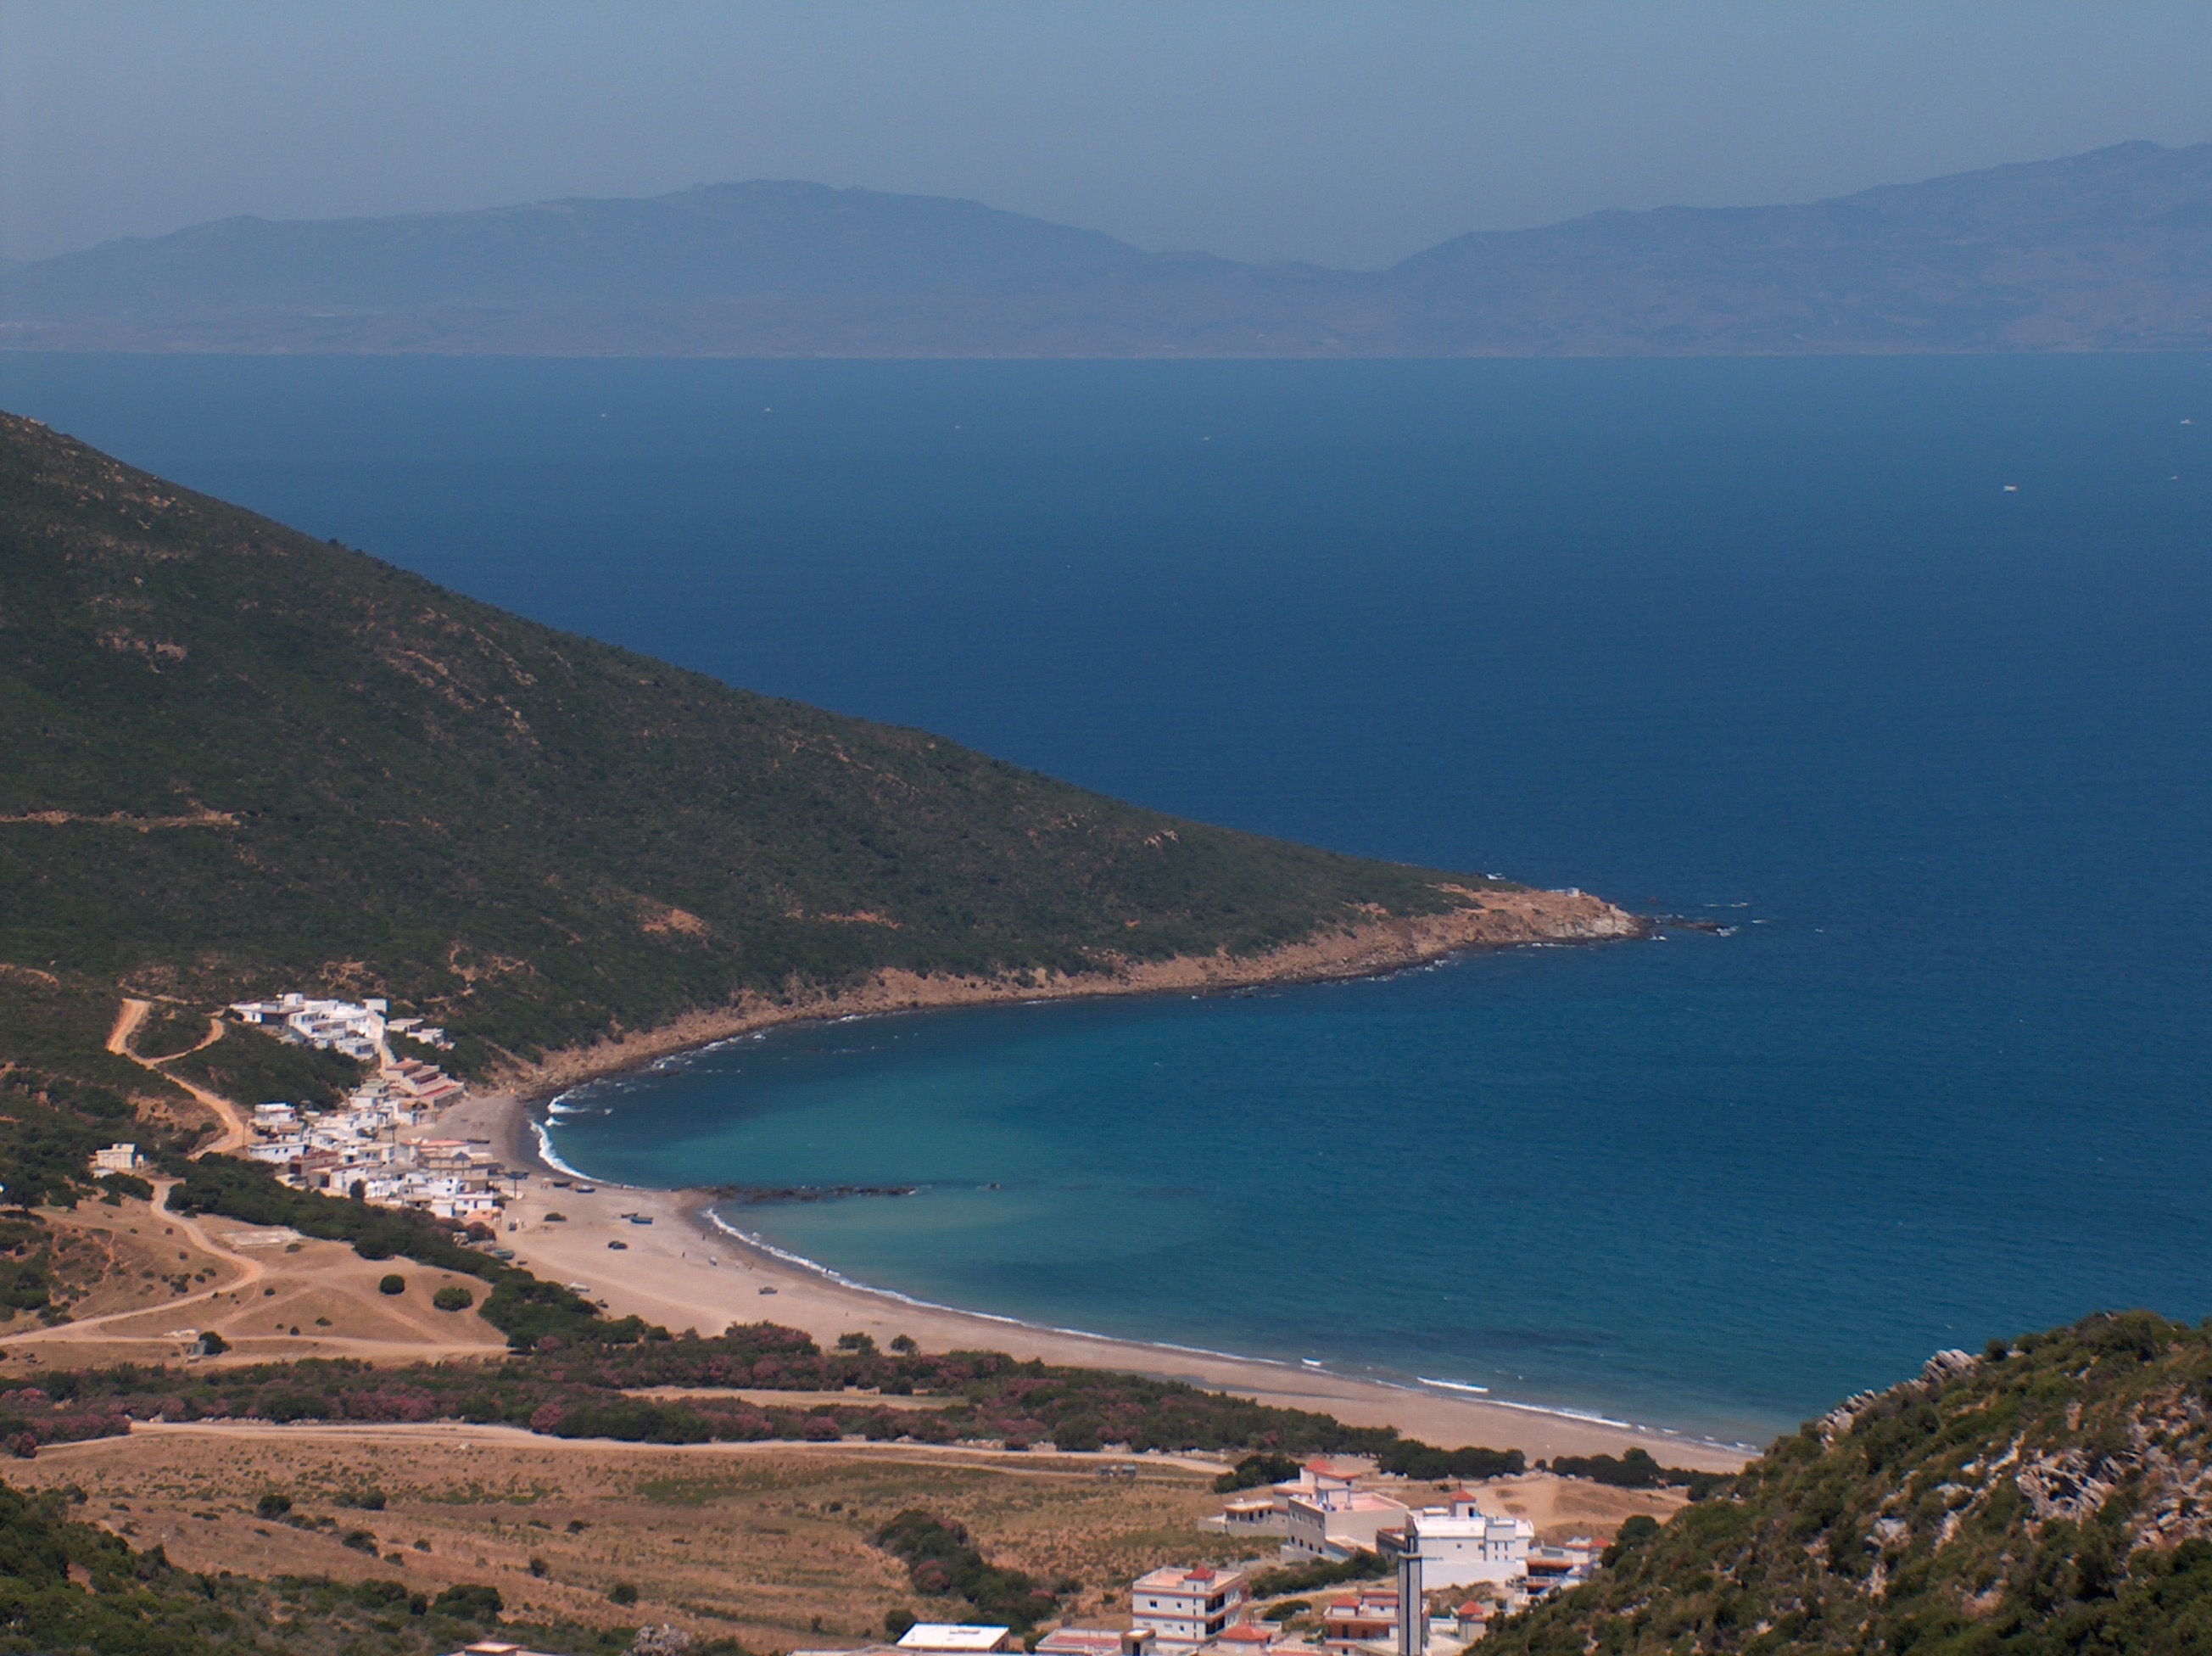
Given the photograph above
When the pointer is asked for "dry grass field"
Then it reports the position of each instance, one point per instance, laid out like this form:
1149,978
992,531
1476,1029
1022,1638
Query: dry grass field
764,1542
767,1544
141,1281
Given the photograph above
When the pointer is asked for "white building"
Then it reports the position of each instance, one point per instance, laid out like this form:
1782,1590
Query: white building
353,1027
1260,1514
415,1030
1243,1638
1184,1609
1095,1642
1320,1514
1461,1546
956,1638
419,1083
1555,1569
115,1158
360,1029
360,1144
1335,1522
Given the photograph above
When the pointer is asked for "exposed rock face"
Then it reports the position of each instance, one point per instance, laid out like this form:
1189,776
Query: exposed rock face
1840,1419
2070,1484
1947,1366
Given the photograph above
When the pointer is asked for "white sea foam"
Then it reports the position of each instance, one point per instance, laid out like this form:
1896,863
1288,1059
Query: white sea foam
752,1239
547,1154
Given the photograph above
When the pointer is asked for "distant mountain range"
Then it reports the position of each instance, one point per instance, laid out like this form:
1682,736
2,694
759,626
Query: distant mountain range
2109,251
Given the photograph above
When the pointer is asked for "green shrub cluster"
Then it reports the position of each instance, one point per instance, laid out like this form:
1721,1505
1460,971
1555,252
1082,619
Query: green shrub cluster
249,1066
1253,1470
1634,1469
941,1561
1411,1458
1362,1566
63,1095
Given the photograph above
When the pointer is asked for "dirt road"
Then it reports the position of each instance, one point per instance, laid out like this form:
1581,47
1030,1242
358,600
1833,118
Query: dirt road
128,1018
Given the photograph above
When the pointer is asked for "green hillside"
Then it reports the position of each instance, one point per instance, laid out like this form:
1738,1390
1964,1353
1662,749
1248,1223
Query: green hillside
235,759
2051,1496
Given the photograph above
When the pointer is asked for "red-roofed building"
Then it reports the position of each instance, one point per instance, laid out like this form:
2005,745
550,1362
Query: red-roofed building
1347,1621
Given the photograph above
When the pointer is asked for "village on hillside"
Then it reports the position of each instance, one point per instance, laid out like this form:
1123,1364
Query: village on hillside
357,1149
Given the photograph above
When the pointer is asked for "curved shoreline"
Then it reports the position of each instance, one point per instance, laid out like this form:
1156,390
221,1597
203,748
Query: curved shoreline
1492,918
686,1268
714,1274
1418,1386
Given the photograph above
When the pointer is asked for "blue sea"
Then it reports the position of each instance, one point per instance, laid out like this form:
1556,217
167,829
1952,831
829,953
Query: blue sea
1900,669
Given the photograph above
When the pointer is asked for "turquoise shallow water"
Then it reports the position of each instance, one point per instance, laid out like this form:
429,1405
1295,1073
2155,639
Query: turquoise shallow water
1772,642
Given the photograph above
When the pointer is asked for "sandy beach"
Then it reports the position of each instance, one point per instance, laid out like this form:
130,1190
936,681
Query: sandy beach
684,1272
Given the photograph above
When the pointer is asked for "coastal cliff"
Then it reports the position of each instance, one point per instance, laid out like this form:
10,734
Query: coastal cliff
1501,917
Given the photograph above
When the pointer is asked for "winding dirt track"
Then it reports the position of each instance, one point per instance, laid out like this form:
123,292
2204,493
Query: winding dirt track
132,1014
250,1271
128,1017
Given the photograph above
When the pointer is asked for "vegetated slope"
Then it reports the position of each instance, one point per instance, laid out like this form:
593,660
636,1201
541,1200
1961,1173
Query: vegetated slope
2054,1495
235,759
66,1585
2111,250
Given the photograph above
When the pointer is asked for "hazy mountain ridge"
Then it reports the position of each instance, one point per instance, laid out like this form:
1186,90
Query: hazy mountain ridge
2111,250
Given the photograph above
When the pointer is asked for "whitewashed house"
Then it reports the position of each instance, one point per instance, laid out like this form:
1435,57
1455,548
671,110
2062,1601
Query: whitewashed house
1460,1545
1185,1608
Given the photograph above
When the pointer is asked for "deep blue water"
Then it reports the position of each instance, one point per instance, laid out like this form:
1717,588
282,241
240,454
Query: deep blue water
1766,641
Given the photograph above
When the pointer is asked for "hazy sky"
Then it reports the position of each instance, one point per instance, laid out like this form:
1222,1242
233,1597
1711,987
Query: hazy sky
1349,133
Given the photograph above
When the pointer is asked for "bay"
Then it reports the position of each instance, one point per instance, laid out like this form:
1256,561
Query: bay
1902,668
